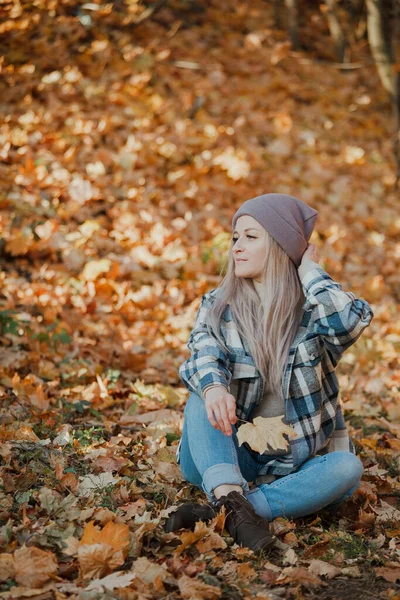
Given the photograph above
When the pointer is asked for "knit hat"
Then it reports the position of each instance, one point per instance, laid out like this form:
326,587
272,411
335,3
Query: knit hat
287,219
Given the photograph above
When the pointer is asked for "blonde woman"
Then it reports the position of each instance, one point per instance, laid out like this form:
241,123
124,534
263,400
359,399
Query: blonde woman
266,342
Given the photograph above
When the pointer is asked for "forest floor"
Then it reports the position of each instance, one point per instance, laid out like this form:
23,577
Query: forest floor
124,153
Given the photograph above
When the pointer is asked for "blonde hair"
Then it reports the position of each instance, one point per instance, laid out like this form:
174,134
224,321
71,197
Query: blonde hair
269,326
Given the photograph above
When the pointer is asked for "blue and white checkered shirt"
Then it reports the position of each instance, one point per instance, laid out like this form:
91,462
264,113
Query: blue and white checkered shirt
333,320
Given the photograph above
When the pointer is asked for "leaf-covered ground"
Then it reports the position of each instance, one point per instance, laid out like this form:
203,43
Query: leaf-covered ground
124,153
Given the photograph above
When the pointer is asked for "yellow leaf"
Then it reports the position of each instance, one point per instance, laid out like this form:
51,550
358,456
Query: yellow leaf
265,434
95,268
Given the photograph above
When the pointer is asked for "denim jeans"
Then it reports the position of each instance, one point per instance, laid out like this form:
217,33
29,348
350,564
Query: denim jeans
208,458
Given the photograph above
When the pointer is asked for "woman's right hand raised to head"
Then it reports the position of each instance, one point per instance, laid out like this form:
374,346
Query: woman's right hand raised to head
221,408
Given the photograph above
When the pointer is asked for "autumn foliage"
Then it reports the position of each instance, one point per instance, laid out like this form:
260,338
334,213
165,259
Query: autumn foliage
125,150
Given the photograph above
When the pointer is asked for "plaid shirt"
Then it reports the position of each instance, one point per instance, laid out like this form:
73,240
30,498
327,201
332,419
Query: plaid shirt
332,321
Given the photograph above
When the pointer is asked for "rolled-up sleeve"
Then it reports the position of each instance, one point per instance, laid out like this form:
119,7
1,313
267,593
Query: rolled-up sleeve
337,316
208,363
341,439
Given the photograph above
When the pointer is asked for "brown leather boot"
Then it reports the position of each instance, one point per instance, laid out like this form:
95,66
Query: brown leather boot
243,523
187,515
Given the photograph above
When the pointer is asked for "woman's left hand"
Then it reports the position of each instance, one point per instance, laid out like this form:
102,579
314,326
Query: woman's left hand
311,253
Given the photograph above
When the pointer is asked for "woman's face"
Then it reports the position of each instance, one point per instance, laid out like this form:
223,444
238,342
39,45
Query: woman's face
249,247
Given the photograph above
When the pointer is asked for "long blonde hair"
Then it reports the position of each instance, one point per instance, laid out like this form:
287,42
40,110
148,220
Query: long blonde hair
268,325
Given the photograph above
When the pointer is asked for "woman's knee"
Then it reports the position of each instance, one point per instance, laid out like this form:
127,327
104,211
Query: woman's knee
194,406
190,474
346,465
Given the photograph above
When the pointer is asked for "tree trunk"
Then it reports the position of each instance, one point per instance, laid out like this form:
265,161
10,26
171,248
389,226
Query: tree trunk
335,29
396,115
293,22
277,15
380,44
396,97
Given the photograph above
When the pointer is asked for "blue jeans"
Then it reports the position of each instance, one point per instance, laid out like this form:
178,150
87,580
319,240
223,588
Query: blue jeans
208,458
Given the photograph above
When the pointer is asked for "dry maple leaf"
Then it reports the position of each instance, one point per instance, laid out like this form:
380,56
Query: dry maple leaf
102,551
197,590
115,535
98,560
188,538
265,434
33,566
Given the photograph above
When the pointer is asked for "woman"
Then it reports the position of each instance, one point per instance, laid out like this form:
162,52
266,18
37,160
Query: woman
266,343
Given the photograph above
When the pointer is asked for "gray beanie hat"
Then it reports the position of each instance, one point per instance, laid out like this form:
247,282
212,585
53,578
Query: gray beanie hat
287,219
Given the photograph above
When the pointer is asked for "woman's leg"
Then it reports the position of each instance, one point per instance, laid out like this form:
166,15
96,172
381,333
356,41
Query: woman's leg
208,458
320,481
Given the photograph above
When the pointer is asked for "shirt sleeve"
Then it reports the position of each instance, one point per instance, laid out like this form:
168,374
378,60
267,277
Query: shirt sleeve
208,364
340,439
338,316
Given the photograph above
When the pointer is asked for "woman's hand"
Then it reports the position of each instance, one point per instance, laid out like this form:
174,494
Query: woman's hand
221,409
311,253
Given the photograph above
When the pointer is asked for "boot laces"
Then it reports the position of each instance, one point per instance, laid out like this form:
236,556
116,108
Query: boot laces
232,504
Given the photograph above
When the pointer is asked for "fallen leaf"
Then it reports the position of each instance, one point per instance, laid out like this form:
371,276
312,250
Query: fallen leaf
320,567
212,542
265,434
114,534
193,589
391,572
33,566
147,571
7,567
111,582
290,557
97,560
89,483
101,551
299,575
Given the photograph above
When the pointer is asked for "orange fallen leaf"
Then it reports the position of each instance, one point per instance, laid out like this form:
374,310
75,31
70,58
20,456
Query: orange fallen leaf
115,535
30,390
25,432
102,551
212,542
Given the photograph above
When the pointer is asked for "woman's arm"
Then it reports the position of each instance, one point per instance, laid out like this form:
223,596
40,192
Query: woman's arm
338,316
208,364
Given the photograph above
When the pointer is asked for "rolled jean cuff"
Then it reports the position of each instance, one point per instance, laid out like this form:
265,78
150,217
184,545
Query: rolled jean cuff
260,504
222,474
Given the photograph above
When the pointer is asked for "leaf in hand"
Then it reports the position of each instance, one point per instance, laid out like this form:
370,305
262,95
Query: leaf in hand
265,434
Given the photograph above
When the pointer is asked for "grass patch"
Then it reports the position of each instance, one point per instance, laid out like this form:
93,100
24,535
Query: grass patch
352,546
